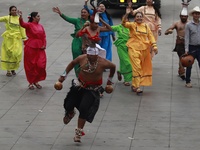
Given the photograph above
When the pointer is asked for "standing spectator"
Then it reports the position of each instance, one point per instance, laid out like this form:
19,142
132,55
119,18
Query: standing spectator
179,26
105,42
78,24
122,50
34,50
139,44
11,49
152,16
192,41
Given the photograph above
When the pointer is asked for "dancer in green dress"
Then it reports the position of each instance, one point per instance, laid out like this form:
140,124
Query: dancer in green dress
78,24
122,50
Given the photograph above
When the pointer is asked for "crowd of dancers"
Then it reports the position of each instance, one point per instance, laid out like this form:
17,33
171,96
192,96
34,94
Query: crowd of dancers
94,33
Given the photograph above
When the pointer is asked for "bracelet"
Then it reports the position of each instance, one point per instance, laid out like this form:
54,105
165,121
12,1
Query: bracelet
64,74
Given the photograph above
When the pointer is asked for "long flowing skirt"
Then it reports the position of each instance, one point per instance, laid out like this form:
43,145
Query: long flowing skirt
142,67
124,62
76,51
34,64
11,52
106,43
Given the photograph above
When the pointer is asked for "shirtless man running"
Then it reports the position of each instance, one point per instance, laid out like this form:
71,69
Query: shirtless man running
85,93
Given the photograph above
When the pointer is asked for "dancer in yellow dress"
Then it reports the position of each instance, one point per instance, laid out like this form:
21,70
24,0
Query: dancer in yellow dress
11,49
139,44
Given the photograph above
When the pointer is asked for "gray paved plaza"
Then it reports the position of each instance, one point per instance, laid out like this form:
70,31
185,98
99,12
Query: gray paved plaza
165,117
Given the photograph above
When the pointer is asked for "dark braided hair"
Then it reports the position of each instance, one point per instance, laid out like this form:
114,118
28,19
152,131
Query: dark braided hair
157,10
11,7
86,10
32,15
107,14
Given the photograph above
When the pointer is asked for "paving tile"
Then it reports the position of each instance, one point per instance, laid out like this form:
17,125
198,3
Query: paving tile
149,148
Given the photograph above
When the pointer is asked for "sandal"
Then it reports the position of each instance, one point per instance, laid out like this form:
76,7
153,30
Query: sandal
37,85
139,91
134,89
119,76
126,83
9,74
13,72
31,87
68,117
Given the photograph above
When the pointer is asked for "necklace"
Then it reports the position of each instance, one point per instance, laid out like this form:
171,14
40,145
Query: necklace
91,68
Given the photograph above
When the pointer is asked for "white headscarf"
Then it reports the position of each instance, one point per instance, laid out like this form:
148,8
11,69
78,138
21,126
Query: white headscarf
96,51
184,11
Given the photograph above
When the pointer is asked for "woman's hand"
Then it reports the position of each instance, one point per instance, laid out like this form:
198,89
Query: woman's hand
86,1
87,23
43,48
100,19
129,3
56,10
128,10
155,50
19,13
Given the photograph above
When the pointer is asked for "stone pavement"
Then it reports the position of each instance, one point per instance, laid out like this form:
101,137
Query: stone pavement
165,117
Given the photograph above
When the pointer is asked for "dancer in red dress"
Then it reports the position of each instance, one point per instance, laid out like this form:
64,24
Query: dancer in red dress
34,50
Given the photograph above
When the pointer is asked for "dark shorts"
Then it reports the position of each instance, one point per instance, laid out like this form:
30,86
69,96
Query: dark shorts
86,101
180,49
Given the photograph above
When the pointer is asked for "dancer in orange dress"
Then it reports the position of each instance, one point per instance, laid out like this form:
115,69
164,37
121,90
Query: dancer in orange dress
139,44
